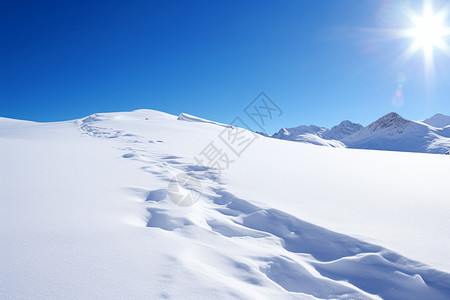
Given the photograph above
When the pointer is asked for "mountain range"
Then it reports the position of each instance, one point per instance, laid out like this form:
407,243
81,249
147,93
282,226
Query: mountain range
391,132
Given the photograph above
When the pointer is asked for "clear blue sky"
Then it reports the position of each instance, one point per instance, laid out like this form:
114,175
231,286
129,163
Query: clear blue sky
320,61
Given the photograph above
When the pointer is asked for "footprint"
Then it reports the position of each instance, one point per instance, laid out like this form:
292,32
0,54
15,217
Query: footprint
294,277
157,195
234,230
161,220
171,157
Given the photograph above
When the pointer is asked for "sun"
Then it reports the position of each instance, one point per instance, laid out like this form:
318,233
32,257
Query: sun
429,31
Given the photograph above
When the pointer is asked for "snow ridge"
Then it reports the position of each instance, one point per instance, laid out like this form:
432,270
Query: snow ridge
190,118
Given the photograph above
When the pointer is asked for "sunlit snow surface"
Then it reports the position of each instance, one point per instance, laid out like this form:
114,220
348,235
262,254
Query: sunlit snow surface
85,213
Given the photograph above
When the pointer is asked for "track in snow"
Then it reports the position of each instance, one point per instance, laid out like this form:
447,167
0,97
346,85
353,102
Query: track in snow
303,258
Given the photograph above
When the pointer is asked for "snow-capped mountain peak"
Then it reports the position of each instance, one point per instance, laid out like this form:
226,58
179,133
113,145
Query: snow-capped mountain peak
391,120
438,120
283,132
344,129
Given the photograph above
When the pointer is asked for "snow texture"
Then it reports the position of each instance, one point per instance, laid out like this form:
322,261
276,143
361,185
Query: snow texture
85,213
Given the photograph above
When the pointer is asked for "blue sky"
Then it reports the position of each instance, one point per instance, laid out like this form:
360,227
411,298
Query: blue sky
320,61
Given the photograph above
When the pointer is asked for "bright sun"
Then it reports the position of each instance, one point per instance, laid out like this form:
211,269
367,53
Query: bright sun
429,31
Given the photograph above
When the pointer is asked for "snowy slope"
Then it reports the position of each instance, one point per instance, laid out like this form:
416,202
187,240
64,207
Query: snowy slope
85,214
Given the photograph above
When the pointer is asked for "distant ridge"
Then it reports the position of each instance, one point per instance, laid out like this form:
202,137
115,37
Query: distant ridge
390,132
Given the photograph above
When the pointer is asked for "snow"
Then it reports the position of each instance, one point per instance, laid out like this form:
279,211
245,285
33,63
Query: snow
317,140
86,213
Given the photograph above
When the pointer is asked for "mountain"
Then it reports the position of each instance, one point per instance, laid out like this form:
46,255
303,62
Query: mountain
438,120
306,134
341,131
293,133
319,135
391,132
128,205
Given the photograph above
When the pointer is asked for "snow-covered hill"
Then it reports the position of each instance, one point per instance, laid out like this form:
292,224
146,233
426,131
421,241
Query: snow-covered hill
87,211
390,132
